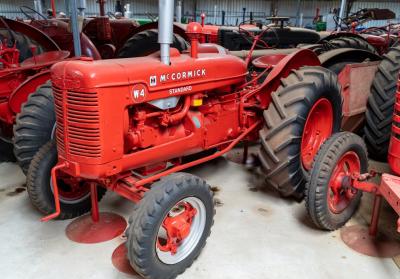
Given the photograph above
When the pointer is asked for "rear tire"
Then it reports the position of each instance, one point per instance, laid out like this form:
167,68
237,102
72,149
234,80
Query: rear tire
380,106
150,215
146,42
40,191
318,184
34,125
285,121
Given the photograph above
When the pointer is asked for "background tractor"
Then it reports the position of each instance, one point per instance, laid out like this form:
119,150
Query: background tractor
26,55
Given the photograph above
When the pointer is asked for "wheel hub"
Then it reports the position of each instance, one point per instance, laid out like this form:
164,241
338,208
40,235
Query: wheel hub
318,128
341,192
71,190
180,230
178,226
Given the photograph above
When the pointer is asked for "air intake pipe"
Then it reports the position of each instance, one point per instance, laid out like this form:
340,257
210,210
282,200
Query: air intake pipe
165,28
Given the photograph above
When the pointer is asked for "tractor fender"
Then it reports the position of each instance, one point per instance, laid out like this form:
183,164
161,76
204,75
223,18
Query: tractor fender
31,32
179,29
341,35
22,92
349,55
58,31
293,61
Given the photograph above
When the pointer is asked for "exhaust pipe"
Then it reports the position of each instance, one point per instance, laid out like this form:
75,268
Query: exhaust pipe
165,28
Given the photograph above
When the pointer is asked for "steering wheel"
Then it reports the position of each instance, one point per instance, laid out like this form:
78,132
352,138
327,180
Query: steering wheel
24,9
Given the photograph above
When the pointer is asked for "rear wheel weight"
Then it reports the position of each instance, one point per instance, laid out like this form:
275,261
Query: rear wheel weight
169,227
330,199
284,141
74,199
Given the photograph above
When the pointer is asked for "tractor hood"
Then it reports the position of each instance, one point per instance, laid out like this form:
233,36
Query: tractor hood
209,70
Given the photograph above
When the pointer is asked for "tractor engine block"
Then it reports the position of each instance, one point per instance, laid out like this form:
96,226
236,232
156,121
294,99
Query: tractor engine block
139,114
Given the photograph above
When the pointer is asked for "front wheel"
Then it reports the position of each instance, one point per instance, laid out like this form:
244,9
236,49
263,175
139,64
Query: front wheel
330,198
170,226
74,194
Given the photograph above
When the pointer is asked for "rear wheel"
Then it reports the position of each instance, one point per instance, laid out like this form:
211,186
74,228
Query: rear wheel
330,198
74,193
34,125
380,106
169,227
146,42
304,112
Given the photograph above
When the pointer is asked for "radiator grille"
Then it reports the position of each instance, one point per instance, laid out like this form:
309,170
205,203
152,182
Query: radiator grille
78,130
57,93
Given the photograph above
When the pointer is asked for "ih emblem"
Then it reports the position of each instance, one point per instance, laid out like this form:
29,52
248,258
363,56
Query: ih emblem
139,93
153,81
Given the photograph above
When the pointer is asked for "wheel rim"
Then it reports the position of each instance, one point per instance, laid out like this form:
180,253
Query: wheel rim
71,190
181,230
318,128
340,193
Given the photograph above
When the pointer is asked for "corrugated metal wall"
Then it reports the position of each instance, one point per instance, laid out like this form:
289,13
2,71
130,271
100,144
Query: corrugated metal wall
10,8
233,8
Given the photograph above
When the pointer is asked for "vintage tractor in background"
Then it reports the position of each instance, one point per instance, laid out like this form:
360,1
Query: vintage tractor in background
381,38
26,55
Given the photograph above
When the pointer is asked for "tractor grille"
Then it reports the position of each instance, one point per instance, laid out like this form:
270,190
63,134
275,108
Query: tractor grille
78,123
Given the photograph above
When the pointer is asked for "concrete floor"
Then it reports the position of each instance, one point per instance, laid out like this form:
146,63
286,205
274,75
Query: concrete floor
256,235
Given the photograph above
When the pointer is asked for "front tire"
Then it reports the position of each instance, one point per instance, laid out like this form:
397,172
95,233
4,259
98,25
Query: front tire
156,248
287,137
330,199
74,200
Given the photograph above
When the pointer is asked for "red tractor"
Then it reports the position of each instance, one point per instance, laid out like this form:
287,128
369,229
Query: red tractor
132,126
104,38
26,55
